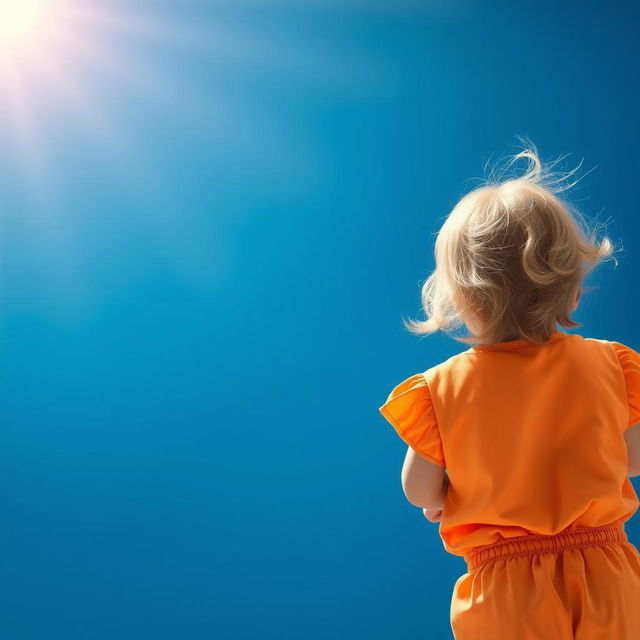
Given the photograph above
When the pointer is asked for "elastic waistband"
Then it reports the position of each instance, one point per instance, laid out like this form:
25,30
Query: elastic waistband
533,544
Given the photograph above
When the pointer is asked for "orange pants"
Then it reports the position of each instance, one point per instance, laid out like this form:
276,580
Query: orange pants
582,583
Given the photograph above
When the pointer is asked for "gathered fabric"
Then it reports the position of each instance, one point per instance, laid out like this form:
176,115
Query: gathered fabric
583,583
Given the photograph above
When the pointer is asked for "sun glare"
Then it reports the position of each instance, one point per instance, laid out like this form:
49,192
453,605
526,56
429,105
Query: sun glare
20,23
80,64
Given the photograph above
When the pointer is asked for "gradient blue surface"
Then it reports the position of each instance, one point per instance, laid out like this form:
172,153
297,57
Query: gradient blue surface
201,303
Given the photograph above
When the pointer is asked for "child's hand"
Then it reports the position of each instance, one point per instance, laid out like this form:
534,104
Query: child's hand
433,515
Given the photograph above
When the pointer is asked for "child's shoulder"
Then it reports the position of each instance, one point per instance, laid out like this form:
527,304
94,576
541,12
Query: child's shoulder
619,348
456,363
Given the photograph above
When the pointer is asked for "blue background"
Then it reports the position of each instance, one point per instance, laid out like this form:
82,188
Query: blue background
205,266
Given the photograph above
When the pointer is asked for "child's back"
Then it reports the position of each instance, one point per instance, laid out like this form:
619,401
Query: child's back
532,436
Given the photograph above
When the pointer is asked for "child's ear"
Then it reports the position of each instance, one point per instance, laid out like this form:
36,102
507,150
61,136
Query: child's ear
575,304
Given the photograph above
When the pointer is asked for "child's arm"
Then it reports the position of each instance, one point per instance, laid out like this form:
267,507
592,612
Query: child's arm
443,496
632,438
424,483
433,515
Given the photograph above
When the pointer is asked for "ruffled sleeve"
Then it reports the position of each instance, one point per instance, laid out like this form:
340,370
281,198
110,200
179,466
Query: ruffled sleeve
630,363
410,411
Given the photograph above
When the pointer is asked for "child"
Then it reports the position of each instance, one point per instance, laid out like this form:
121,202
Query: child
522,446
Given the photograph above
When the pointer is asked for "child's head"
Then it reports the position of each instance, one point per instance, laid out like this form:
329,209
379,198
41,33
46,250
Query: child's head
510,261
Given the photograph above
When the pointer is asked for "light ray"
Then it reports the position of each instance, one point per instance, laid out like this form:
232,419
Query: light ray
75,65
224,123
19,113
249,49
79,39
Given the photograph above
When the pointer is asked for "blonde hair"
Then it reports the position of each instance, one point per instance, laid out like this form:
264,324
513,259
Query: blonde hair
510,259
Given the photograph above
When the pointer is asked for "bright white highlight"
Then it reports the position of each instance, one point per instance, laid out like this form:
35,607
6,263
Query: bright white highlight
21,23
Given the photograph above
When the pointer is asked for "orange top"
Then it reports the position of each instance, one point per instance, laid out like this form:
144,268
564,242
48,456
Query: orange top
531,435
